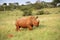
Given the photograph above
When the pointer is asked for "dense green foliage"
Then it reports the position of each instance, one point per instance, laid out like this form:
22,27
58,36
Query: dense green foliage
31,6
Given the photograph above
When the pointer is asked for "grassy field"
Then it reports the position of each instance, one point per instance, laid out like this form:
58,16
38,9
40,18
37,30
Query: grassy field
49,28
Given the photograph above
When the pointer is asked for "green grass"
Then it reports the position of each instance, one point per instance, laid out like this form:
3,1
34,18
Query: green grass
49,28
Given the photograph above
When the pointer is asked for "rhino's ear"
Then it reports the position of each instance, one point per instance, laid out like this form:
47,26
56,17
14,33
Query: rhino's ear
36,17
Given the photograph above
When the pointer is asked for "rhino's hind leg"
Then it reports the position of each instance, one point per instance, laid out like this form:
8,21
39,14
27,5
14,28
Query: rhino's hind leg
17,28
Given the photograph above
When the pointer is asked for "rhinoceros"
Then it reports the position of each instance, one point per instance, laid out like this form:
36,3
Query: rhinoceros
27,22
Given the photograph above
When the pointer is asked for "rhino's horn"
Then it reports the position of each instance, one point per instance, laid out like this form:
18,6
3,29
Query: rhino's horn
36,17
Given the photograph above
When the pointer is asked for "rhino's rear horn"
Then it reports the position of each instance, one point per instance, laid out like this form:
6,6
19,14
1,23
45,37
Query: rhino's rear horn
36,17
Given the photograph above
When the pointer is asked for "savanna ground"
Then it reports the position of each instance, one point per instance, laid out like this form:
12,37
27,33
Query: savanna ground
49,28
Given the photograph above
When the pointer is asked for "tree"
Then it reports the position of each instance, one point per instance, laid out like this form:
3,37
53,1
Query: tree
55,2
16,5
38,5
28,2
12,6
4,5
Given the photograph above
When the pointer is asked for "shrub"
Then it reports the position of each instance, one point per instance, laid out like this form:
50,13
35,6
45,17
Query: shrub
42,12
27,13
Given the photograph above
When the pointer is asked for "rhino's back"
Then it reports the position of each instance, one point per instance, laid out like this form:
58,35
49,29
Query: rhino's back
23,22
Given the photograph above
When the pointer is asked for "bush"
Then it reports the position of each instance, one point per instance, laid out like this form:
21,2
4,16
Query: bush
27,13
42,12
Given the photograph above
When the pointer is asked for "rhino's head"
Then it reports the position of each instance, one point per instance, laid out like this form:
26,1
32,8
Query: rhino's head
35,20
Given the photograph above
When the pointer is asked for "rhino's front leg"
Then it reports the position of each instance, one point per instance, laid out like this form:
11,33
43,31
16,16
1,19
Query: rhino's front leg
30,27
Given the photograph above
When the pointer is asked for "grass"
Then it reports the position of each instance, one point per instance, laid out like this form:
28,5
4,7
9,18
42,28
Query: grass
49,28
